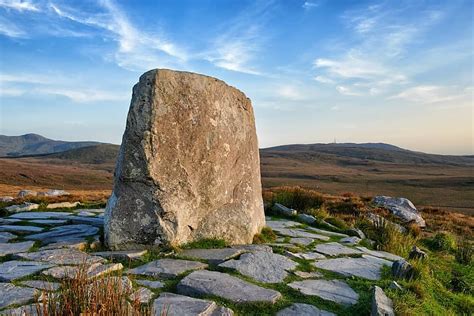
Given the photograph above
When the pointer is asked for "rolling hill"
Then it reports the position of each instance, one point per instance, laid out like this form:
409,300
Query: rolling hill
365,169
33,144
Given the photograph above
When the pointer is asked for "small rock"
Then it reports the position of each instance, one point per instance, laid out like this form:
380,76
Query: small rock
25,193
356,232
41,285
253,248
142,295
380,254
262,266
350,240
25,207
150,284
274,224
213,256
395,286
61,256
96,244
402,208
417,253
305,255
54,192
167,268
171,304
121,255
402,269
20,229
11,294
86,213
6,199
92,271
304,241
299,309
204,283
381,304
5,237
366,267
12,270
331,290
297,233
62,205
335,249
308,275
284,210
308,219
11,248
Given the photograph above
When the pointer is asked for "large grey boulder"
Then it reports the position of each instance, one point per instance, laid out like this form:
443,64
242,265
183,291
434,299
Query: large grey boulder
400,207
188,167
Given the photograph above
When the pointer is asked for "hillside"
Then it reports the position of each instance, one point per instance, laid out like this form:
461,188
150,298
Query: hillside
33,144
365,169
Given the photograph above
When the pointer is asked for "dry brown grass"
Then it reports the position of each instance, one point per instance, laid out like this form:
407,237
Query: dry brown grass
102,296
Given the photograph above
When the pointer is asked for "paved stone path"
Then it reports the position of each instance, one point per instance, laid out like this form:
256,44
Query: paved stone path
51,248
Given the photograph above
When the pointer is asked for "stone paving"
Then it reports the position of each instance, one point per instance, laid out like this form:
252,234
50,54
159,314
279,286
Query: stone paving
40,248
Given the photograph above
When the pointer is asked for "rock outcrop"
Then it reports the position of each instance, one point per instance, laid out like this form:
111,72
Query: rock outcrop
402,208
188,167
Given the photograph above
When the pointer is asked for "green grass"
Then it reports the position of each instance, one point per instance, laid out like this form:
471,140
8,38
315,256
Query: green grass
208,243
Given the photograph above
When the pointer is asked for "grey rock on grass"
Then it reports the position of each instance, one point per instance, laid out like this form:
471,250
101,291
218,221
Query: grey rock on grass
63,233
61,256
380,254
167,268
11,294
12,270
171,304
11,248
402,208
282,209
402,269
262,266
335,249
41,285
331,290
365,267
6,236
213,256
21,207
299,309
150,284
381,304
121,254
203,283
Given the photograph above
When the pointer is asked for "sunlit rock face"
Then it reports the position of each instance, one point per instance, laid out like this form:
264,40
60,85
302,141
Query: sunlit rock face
188,167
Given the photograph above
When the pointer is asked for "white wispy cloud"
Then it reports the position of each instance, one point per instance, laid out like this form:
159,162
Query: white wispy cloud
323,79
8,28
381,36
137,49
426,94
308,5
236,47
290,92
84,95
19,5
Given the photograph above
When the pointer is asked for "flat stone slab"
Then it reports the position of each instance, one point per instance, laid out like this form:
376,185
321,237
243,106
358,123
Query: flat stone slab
62,205
12,270
178,305
91,210
61,256
331,290
305,255
253,248
167,268
262,266
213,256
20,229
142,295
380,254
203,283
366,267
305,241
299,309
6,236
11,294
94,221
150,284
41,285
25,207
295,232
93,271
11,248
121,255
26,310
308,275
41,215
49,221
336,249
86,213
273,224
350,240
8,221
327,232
63,233
79,244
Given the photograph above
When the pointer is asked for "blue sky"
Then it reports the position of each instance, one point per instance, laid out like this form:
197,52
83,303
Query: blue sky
399,72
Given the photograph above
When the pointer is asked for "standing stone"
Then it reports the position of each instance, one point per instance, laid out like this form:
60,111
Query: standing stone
381,304
188,166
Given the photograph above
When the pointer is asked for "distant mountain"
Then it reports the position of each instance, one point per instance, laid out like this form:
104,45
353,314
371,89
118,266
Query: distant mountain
98,154
350,153
33,144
